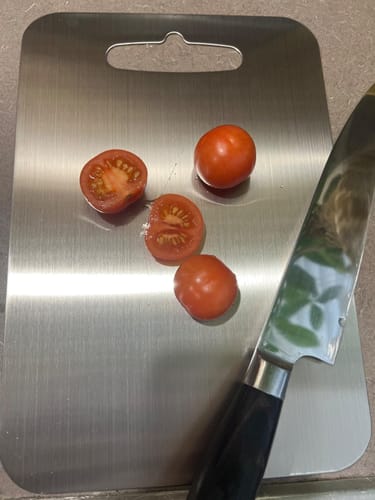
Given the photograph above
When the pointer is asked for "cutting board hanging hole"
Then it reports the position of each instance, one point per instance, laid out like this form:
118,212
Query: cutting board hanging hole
174,54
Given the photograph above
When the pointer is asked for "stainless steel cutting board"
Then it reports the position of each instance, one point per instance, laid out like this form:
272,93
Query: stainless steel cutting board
107,382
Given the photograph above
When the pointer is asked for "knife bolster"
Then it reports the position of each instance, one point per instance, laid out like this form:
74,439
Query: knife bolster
267,376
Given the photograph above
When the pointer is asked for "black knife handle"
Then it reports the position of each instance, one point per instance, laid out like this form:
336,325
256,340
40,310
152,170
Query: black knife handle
239,453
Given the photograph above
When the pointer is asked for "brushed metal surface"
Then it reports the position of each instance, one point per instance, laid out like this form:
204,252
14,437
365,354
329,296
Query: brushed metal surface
107,382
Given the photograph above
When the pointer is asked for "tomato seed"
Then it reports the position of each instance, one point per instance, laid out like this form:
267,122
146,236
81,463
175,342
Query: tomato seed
174,239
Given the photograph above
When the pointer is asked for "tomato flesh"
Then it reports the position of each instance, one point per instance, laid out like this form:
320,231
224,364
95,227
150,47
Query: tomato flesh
175,228
205,287
224,156
113,180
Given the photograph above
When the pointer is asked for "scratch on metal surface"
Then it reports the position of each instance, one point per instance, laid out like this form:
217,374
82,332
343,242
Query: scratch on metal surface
171,173
96,224
30,7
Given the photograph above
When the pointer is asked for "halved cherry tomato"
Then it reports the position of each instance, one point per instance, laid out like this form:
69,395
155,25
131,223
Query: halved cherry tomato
113,180
205,286
175,228
224,156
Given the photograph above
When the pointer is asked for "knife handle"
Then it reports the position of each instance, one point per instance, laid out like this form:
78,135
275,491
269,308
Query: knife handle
238,456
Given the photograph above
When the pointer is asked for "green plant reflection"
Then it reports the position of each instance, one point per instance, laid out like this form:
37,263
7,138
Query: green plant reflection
315,291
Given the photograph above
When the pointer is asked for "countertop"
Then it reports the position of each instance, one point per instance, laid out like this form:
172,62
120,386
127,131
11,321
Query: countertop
344,31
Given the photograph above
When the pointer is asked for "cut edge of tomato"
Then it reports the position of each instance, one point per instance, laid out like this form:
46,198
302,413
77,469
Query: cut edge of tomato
115,204
176,261
197,233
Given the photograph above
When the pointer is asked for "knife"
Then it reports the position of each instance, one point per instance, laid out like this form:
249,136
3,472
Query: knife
308,314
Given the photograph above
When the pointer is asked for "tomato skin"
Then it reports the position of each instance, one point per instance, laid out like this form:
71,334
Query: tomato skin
175,228
224,156
113,180
205,286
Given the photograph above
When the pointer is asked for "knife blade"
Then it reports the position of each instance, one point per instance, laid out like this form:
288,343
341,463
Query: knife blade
307,316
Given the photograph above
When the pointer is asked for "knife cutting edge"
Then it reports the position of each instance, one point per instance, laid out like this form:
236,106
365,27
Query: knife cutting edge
307,317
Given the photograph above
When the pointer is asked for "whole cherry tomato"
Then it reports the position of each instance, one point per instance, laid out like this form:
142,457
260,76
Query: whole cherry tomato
224,156
175,228
113,180
205,286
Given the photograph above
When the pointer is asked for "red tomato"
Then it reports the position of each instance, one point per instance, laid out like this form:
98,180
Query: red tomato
224,156
205,286
113,180
175,228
